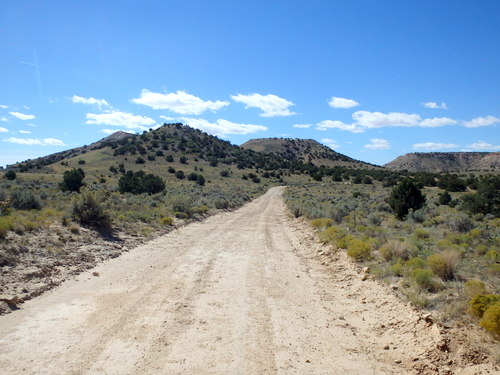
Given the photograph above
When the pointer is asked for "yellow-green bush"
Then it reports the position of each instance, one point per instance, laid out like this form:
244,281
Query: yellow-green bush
359,250
424,279
331,235
444,264
480,303
321,224
397,269
415,263
473,288
166,220
421,234
491,319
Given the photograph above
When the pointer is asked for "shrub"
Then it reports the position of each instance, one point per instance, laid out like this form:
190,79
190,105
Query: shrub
491,319
374,219
460,223
480,303
395,249
487,198
25,200
421,234
167,220
200,180
181,203
72,180
140,182
444,264
359,250
424,279
224,173
444,198
321,224
405,196
180,175
472,288
88,211
221,204
10,175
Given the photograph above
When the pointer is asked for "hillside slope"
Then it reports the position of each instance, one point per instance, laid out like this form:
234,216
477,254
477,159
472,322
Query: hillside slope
305,150
446,162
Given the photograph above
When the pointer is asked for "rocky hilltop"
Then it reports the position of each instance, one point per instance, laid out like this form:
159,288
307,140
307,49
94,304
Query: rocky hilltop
305,150
446,162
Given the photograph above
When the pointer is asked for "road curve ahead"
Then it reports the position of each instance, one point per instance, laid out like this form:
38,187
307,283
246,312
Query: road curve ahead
230,295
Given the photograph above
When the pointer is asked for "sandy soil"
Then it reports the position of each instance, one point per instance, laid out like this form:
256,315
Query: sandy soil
244,292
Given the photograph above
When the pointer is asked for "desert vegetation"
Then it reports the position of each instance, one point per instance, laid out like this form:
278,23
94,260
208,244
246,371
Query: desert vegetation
441,254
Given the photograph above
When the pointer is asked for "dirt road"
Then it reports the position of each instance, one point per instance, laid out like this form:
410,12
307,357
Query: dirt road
243,292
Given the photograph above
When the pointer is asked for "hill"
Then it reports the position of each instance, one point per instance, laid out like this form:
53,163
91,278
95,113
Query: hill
305,150
446,162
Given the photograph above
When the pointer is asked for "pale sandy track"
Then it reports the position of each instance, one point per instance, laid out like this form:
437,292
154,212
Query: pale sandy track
240,293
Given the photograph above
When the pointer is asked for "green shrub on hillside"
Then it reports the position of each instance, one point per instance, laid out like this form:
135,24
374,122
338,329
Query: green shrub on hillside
491,319
359,250
89,211
480,303
140,182
25,200
72,180
405,196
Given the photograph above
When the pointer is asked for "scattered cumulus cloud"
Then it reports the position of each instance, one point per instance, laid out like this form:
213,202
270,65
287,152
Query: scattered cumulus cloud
364,120
433,146
36,142
435,105
179,102
377,144
167,118
330,143
22,116
337,102
91,101
3,119
302,126
222,127
3,130
481,121
117,118
4,106
481,145
437,121
24,132
331,124
270,105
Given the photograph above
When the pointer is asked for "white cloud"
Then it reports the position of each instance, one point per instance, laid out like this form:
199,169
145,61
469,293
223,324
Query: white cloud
37,142
337,102
22,116
179,102
481,145
4,106
3,119
364,120
167,118
30,124
92,101
116,118
377,144
3,130
437,121
329,124
270,105
371,120
330,143
481,121
111,131
24,132
432,146
222,127
302,126
435,105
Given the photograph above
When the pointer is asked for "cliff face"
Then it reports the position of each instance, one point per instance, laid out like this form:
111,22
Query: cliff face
446,162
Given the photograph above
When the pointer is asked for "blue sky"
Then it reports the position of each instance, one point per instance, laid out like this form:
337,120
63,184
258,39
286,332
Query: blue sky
372,79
